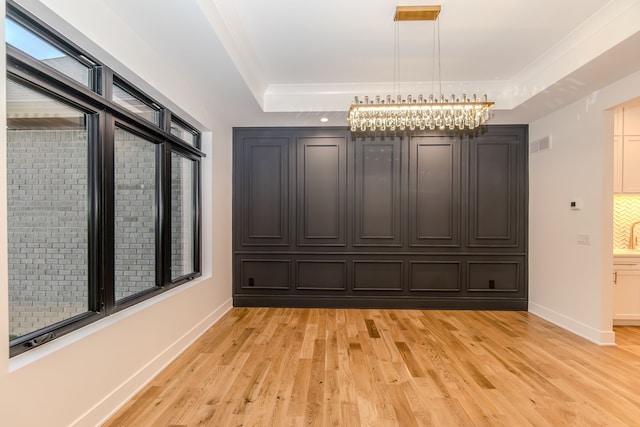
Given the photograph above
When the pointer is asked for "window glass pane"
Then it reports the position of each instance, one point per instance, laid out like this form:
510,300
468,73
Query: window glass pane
47,198
135,214
135,105
182,216
183,133
19,37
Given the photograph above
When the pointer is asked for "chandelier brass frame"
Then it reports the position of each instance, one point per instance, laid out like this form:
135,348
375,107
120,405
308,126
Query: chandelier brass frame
389,114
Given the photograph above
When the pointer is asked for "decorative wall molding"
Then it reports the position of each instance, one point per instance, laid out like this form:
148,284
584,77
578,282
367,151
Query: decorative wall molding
417,221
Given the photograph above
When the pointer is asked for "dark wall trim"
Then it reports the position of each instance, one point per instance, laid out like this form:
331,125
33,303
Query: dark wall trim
413,303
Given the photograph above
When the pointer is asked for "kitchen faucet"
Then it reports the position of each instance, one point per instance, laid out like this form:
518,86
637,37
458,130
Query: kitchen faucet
632,242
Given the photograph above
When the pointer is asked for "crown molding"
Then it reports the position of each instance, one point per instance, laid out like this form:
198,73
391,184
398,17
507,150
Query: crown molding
338,97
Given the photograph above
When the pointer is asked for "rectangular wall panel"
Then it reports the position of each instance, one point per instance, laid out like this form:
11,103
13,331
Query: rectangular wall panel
321,191
321,275
377,275
498,276
264,273
492,181
265,192
434,191
377,200
494,191
434,276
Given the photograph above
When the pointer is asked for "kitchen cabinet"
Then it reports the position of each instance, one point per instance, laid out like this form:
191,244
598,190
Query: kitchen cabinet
631,120
618,121
626,150
626,292
630,164
617,164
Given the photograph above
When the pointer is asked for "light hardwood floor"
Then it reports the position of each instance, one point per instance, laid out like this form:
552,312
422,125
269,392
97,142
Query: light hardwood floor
326,367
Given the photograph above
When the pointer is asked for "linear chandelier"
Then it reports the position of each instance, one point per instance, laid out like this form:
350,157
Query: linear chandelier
432,112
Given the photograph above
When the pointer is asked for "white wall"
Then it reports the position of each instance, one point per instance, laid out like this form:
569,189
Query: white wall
571,284
81,378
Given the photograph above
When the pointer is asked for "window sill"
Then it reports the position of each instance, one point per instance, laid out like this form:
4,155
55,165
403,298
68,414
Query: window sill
22,360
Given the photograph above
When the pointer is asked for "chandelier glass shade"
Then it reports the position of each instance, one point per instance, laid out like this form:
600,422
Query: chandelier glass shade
418,113
432,112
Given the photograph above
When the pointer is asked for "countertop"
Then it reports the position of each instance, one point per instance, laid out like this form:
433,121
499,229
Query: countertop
626,253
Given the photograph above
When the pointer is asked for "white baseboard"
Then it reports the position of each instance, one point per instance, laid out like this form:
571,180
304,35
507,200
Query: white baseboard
107,407
604,338
626,320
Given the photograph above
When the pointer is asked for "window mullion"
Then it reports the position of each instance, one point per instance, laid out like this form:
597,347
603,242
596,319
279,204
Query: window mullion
95,132
164,216
106,220
197,213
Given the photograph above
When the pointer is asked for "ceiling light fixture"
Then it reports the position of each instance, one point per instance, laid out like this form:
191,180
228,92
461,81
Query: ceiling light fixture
432,112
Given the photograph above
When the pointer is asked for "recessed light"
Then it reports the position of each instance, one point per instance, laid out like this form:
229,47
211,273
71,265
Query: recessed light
324,120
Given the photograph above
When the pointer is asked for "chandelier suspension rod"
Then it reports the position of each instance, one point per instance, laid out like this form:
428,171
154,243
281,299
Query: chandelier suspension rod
398,113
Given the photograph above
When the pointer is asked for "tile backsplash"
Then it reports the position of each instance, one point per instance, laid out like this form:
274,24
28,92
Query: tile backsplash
626,211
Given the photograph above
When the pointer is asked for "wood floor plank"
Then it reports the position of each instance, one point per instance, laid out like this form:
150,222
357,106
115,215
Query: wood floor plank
331,410
315,392
299,391
325,367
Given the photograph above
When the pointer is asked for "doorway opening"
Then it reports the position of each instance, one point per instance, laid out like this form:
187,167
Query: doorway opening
626,214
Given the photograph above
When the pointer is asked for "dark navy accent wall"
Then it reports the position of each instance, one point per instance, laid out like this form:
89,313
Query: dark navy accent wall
326,218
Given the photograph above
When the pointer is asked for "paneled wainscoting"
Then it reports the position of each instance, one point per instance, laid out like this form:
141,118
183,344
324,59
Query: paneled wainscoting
367,367
325,218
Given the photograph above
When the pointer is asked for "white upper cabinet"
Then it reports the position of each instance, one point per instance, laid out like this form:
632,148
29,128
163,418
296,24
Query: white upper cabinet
618,121
631,120
626,149
617,164
631,164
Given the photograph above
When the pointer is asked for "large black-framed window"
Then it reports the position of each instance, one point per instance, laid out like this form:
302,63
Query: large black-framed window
103,189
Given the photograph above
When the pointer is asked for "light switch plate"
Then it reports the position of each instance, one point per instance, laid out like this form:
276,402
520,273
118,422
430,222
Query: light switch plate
584,239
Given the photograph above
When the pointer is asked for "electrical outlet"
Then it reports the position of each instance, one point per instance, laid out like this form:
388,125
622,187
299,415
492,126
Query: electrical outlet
584,239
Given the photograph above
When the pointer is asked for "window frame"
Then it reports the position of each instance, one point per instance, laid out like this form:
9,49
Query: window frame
196,215
111,304
94,125
172,118
105,115
140,96
42,30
